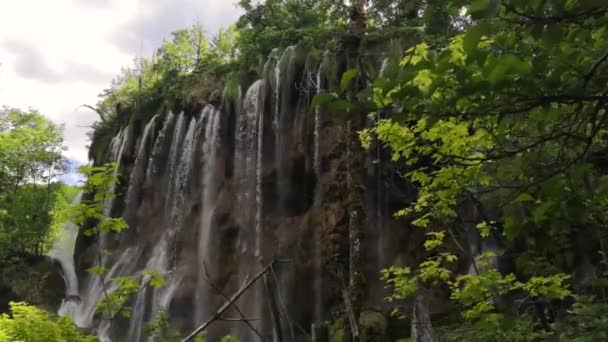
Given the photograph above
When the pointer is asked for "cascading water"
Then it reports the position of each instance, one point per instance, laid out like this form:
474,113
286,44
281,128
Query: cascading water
283,117
254,108
205,251
318,277
137,176
83,311
221,193
172,178
178,174
63,251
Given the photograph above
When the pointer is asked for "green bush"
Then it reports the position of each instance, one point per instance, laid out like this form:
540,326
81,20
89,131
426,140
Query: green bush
29,324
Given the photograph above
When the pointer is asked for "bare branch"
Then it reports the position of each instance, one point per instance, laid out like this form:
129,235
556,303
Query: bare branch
102,115
221,293
229,303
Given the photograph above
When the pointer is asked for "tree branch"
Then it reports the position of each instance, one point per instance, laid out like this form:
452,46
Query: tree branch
221,293
229,303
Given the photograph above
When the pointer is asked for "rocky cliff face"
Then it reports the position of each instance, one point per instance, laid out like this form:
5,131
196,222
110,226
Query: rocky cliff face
213,195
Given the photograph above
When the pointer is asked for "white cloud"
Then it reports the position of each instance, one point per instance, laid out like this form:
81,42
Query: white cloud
56,55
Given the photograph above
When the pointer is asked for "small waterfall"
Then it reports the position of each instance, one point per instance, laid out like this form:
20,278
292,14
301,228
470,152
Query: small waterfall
157,263
257,106
257,110
84,311
422,328
181,172
246,149
178,173
63,251
481,246
137,177
171,173
206,232
116,150
155,167
283,120
125,265
384,67
318,277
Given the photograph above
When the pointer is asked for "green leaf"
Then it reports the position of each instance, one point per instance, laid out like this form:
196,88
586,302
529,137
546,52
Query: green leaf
98,270
158,282
323,99
506,68
524,197
347,79
484,229
553,35
483,8
473,37
339,107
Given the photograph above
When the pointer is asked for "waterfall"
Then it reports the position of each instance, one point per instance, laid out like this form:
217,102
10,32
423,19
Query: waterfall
172,178
137,177
206,232
178,174
318,276
383,67
283,121
224,191
116,150
63,251
159,148
479,247
157,263
123,266
257,107
83,312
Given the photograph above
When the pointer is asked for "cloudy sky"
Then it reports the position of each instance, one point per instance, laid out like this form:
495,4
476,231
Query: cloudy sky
56,55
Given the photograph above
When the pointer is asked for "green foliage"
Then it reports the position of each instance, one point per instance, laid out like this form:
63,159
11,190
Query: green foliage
28,323
99,187
182,66
160,330
113,303
505,116
279,23
31,149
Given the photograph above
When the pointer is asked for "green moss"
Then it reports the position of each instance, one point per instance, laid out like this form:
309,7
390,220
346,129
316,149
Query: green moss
373,326
337,330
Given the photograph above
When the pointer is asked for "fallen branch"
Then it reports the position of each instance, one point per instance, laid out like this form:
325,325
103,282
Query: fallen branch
234,298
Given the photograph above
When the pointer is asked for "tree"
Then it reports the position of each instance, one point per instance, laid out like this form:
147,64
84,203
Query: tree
31,149
279,23
508,121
